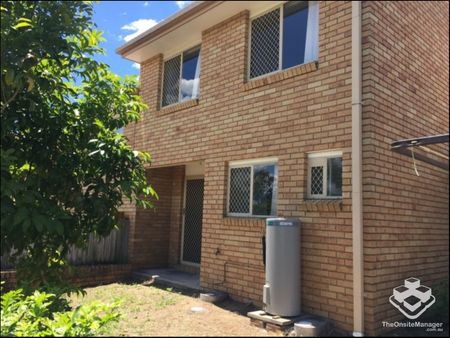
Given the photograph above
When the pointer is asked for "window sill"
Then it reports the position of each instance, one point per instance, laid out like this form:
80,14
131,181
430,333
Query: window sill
281,75
178,106
329,205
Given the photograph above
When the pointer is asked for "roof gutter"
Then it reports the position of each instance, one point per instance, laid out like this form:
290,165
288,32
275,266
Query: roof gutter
166,26
357,201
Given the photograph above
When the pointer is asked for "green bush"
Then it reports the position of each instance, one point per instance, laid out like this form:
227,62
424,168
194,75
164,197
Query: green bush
35,315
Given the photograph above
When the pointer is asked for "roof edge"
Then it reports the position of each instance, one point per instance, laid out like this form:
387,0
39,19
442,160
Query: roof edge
179,17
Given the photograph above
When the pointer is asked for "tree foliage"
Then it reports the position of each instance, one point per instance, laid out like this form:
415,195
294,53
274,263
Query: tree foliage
64,168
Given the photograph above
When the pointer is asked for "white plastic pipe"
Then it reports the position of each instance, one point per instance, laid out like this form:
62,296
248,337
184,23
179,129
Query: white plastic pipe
357,215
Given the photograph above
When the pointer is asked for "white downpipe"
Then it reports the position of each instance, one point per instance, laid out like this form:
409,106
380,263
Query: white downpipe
357,215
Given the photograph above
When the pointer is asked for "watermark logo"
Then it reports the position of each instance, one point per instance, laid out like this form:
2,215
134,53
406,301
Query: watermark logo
412,299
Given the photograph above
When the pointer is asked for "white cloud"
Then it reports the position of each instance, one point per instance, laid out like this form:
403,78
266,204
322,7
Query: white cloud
136,65
182,4
146,4
189,88
138,26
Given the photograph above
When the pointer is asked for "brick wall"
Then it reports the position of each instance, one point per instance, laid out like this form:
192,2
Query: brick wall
93,275
155,232
90,275
405,72
176,215
285,115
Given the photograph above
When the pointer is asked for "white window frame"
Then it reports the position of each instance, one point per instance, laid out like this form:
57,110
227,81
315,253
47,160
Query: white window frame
250,164
320,159
180,54
280,52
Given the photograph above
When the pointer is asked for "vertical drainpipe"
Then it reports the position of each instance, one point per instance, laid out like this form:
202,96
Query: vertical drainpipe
357,216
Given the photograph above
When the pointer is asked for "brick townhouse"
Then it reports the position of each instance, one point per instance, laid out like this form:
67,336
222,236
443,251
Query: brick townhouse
272,108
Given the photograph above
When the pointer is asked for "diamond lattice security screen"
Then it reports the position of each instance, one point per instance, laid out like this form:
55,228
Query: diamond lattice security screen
316,180
171,81
239,199
265,44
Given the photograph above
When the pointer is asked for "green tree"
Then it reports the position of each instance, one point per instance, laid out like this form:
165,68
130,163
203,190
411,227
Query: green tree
64,168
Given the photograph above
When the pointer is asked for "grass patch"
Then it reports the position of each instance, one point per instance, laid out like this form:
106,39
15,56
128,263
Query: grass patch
151,311
166,300
139,305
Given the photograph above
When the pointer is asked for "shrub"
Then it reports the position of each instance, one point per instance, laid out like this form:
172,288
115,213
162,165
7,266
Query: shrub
35,315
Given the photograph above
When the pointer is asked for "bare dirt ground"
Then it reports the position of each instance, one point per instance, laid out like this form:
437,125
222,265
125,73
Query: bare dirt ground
153,311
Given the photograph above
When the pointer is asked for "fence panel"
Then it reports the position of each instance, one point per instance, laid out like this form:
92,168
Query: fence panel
112,249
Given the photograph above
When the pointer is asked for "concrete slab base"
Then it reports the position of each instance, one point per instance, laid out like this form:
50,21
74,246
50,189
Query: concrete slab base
214,296
301,326
169,277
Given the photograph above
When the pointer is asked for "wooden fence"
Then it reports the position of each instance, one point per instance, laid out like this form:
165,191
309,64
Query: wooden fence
112,249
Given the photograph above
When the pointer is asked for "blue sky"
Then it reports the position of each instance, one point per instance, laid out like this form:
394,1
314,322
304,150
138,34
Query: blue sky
120,21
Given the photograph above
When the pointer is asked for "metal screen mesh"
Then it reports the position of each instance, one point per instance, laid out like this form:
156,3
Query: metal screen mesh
239,198
317,180
265,44
171,81
192,238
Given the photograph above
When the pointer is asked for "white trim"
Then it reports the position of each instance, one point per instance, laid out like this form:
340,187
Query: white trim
325,154
242,163
187,178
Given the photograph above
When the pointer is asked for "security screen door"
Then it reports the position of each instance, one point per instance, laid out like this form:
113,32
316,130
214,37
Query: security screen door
193,215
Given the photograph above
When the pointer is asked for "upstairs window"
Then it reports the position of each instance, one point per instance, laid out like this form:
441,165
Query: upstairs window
325,175
253,188
284,37
181,77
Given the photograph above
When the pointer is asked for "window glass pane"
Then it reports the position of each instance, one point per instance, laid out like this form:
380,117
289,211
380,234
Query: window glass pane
265,44
334,176
171,81
312,33
239,199
190,74
295,26
317,180
264,189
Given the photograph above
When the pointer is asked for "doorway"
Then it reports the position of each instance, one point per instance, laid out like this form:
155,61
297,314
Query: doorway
191,241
